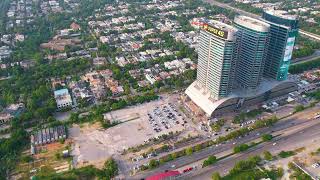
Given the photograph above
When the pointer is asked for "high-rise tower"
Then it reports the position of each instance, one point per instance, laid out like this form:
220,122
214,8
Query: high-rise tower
283,31
252,51
217,59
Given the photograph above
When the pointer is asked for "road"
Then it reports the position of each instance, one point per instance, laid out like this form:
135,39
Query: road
299,120
227,6
291,141
310,35
314,56
239,11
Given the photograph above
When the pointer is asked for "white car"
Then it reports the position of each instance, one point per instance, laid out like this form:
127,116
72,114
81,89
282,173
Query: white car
33,171
317,116
315,165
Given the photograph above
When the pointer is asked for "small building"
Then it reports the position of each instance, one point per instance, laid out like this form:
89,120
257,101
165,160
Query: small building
46,136
10,112
65,153
5,117
5,52
63,98
74,26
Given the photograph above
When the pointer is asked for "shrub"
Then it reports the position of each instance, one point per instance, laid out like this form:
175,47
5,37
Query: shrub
153,164
298,108
26,158
285,154
216,176
267,155
198,147
211,160
267,137
240,148
189,151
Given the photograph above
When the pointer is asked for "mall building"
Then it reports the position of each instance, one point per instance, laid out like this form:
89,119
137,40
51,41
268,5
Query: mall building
244,64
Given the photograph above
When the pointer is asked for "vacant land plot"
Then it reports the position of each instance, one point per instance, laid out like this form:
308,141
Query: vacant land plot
93,145
50,156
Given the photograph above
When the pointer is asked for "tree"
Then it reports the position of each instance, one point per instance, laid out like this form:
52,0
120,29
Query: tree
267,155
8,98
280,172
254,159
267,137
315,95
153,164
297,173
240,148
158,84
189,151
216,176
299,108
198,147
217,126
26,158
211,160
174,155
285,154
245,165
239,118
110,168
301,67
11,147
165,147
45,171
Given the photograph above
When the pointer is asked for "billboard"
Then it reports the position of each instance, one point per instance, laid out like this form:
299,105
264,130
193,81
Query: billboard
213,30
289,49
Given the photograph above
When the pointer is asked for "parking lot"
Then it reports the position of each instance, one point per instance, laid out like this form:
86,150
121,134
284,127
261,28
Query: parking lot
165,117
314,169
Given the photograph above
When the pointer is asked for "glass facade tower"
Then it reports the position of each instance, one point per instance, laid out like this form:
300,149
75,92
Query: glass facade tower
254,38
283,32
217,59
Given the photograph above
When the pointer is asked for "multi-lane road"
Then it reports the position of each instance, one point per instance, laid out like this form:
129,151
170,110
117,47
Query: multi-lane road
297,121
300,138
227,6
310,35
312,57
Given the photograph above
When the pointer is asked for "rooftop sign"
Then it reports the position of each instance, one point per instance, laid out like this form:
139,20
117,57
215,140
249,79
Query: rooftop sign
213,30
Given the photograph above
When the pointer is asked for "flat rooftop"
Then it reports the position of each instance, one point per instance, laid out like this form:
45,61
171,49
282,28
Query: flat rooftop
252,23
222,26
61,92
282,14
221,30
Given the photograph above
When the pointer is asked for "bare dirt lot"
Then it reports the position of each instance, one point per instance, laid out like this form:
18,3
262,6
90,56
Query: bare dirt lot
93,145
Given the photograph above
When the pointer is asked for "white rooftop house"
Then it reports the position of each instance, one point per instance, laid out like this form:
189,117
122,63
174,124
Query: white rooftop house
63,98
5,52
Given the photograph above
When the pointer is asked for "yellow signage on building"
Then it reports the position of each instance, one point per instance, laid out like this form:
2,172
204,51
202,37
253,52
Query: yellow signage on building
215,31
